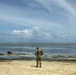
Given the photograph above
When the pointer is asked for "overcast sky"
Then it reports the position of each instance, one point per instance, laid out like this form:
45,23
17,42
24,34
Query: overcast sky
38,20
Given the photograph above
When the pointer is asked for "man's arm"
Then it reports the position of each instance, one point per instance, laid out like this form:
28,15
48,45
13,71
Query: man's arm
35,53
41,52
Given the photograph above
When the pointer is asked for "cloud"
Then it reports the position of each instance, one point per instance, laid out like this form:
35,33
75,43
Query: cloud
38,19
31,22
61,3
33,17
28,33
67,6
35,34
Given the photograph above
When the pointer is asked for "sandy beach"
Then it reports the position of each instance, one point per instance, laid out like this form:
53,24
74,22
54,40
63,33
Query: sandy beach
28,68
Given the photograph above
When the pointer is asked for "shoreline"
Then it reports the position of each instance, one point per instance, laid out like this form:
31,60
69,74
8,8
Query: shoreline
43,59
11,60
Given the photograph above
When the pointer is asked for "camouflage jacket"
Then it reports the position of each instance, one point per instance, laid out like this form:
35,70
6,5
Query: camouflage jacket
38,53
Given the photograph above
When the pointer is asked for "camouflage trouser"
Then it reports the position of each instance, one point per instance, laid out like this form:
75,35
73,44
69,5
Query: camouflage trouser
38,59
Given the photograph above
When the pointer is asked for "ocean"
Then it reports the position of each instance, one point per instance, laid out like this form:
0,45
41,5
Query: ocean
52,51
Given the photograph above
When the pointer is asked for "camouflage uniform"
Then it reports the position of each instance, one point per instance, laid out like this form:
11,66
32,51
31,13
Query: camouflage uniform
38,54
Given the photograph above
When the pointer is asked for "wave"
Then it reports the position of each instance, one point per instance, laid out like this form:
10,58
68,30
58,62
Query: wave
31,56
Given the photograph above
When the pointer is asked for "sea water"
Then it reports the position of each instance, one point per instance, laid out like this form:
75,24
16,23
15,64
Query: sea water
52,51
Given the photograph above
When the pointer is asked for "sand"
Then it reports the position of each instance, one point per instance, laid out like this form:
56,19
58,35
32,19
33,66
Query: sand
28,68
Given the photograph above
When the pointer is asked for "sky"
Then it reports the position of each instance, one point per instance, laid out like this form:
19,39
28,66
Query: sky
37,20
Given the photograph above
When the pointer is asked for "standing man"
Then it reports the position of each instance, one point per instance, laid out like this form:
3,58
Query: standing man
38,54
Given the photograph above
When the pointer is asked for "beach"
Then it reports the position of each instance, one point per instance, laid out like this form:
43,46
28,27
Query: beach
28,68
